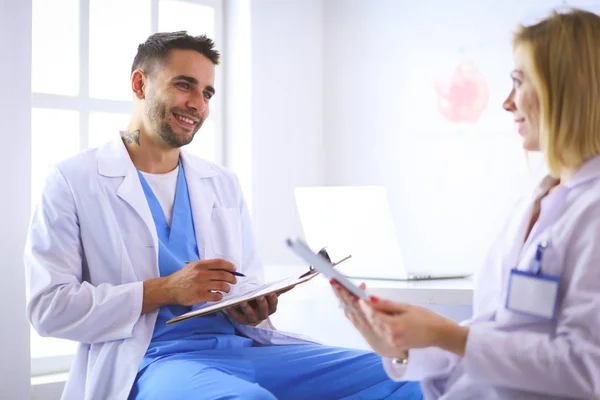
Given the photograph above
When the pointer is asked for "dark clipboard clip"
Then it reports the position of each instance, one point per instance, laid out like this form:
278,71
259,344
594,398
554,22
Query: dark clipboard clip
323,253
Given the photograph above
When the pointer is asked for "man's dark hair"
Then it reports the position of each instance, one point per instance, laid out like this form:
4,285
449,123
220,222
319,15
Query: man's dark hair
155,50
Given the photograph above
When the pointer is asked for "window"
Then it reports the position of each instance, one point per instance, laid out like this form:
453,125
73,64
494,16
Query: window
81,98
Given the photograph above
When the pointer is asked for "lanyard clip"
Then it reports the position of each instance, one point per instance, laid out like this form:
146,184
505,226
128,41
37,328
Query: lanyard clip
537,261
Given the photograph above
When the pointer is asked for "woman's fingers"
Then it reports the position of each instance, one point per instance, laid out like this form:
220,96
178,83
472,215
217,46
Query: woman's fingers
377,318
338,287
351,305
388,306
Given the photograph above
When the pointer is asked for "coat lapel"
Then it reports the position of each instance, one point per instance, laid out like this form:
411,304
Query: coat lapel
130,190
202,199
114,161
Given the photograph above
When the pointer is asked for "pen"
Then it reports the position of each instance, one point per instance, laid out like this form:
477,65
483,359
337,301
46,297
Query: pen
537,262
234,272
231,272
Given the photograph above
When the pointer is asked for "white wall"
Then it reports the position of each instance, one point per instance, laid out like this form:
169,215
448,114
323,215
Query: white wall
287,116
15,105
447,182
237,69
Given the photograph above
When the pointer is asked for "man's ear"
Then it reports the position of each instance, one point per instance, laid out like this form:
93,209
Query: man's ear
137,83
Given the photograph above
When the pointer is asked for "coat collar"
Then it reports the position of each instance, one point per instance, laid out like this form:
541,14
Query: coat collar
114,161
589,170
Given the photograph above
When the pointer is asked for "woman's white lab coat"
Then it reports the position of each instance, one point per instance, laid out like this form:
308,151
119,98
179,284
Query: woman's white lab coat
514,356
93,242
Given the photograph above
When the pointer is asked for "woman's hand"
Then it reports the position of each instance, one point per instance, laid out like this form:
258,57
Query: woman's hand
412,327
392,328
355,314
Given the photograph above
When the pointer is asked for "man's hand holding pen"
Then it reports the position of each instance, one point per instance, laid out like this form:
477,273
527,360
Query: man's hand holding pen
200,281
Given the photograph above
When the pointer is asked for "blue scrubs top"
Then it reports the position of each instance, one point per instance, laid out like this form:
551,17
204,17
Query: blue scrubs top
176,245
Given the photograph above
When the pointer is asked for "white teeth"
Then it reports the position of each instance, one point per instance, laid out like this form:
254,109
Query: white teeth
184,119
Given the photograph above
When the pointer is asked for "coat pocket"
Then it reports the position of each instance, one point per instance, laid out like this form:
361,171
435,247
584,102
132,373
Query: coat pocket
226,234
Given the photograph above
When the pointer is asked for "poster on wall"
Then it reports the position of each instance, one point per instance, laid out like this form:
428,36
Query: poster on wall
465,75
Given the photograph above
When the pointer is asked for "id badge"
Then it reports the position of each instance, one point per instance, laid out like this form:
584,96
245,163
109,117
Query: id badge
532,294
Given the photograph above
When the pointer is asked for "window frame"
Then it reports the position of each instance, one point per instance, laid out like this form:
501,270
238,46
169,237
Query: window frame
85,105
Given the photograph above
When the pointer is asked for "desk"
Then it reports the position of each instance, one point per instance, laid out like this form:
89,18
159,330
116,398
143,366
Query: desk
448,292
312,309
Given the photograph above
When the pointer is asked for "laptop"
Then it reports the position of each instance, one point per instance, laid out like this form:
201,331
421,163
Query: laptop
357,221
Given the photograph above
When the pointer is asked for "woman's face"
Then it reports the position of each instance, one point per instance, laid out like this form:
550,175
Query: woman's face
523,103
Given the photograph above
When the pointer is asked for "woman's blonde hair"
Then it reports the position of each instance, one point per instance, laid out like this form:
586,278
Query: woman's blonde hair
563,56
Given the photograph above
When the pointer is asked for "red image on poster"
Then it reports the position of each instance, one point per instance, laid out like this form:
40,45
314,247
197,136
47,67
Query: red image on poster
463,96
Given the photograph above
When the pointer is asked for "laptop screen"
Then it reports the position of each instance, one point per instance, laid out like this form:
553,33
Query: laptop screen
354,220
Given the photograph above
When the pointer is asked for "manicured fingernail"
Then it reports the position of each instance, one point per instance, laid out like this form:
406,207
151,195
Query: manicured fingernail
373,299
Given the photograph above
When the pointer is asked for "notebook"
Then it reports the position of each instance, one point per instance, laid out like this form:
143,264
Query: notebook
357,220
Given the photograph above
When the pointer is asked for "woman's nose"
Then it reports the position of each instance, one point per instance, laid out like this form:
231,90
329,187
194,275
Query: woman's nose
509,104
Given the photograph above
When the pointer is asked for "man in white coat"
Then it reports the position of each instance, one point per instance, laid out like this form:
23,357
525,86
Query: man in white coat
136,232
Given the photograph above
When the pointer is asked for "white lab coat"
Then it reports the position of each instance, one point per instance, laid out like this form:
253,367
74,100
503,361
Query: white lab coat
92,243
513,356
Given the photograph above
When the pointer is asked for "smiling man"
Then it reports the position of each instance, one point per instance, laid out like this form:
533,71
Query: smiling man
175,91
130,235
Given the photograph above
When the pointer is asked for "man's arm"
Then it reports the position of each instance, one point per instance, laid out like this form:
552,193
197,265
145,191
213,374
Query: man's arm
155,295
60,302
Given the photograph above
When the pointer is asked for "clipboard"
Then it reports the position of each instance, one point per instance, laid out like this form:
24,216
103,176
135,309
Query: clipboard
324,266
263,290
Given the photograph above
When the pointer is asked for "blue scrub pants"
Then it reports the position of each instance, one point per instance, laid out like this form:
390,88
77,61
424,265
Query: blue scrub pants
272,372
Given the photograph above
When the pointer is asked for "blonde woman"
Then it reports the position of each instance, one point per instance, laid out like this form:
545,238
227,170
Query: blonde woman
536,327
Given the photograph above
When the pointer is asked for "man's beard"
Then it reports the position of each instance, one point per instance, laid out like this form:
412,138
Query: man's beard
158,114
171,138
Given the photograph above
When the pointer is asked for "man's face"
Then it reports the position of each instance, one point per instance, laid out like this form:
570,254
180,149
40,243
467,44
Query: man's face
177,99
